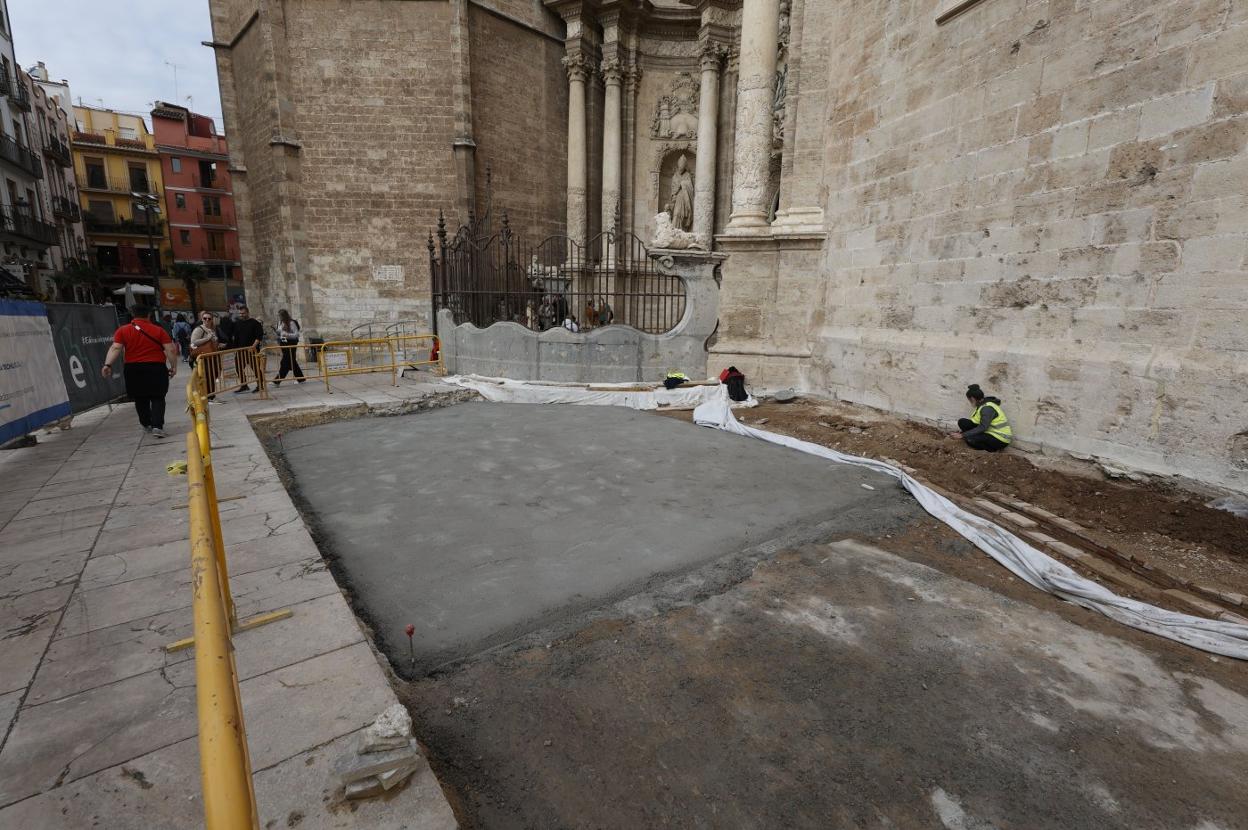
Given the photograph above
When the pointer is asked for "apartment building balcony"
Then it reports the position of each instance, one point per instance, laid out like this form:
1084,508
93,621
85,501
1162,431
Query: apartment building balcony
216,220
18,156
109,139
121,227
21,221
201,183
207,253
58,151
66,209
17,93
104,184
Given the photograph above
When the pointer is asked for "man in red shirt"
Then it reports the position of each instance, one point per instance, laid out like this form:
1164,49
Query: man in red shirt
151,360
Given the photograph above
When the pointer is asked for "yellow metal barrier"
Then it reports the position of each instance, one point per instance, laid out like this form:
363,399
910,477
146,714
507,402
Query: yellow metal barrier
397,352
197,405
225,765
231,369
224,760
273,357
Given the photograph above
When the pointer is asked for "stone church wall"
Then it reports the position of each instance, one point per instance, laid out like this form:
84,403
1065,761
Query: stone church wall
520,116
343,114
1048,198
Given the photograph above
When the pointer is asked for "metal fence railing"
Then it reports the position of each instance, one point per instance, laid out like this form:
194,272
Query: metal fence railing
230,369
392,353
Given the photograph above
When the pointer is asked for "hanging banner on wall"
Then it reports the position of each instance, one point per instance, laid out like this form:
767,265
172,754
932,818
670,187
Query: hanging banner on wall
82,334
32,391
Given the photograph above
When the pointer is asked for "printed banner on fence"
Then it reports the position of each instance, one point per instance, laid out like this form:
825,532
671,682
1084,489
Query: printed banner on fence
82,334
32,391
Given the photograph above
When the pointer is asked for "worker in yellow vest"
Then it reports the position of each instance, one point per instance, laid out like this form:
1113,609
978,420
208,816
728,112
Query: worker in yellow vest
987,428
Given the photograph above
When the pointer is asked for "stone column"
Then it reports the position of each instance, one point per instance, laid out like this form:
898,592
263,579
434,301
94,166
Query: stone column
708,135
611,75
760,32
578,220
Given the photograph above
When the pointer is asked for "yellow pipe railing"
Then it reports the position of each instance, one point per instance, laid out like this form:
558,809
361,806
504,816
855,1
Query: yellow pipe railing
224,762
225,765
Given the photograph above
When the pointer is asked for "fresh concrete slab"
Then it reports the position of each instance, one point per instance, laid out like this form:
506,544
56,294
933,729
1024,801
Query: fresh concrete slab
483,522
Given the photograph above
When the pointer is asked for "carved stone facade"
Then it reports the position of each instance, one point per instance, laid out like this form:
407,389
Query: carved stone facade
1047,199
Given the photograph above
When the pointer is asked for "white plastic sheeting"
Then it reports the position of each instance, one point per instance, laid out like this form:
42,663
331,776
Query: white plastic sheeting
1024,561
503,390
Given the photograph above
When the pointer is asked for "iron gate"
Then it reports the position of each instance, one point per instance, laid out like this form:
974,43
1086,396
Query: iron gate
557,282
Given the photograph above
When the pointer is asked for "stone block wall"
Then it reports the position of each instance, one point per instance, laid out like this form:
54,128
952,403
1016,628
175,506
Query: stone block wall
342,117
520,116
612,354
1048,197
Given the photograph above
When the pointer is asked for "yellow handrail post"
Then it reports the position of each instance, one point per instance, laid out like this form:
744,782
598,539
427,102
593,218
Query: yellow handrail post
225,763
204,440
320,355
394,364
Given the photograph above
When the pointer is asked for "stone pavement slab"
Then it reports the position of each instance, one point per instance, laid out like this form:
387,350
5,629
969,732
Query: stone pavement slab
97,721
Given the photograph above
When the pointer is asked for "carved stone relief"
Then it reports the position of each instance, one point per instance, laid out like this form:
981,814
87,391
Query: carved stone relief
782,77
676,114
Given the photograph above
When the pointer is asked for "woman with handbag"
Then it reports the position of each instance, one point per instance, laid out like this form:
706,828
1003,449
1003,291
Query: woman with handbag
288,339
204,341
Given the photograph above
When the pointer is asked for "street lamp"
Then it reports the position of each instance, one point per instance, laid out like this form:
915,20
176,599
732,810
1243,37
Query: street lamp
150,205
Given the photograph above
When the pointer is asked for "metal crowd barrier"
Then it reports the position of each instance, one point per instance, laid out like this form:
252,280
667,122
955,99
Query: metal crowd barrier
225,762
393,353
231,369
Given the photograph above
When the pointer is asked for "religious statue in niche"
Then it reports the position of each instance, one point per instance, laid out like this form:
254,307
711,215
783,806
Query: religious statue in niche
676,114
680,206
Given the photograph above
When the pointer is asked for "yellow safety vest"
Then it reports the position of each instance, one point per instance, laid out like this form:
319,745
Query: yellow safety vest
999,426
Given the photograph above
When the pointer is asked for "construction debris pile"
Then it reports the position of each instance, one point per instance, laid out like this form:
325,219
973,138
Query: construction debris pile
384,756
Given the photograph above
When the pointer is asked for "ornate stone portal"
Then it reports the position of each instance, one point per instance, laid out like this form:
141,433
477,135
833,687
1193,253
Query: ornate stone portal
652,73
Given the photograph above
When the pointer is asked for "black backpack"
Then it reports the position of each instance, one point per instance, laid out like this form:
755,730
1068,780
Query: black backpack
735,381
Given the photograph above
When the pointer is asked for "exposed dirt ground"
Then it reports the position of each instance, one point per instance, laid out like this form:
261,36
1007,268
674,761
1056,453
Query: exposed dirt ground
1158,521
811,695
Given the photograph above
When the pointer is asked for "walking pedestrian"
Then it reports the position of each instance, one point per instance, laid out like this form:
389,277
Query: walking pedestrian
182,335
248,334
205,340
151,359
288,340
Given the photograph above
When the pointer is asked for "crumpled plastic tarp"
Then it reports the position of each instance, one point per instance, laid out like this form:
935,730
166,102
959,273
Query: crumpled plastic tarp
504,390
1024,561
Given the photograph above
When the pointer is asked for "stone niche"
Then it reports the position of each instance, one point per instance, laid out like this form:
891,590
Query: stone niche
613,354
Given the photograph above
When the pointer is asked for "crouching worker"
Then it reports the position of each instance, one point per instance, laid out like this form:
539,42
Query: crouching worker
987,428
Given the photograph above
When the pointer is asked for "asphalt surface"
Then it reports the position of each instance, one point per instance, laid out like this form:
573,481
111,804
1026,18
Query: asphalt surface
481,523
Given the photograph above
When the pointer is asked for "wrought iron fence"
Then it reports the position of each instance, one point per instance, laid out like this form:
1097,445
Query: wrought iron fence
556,282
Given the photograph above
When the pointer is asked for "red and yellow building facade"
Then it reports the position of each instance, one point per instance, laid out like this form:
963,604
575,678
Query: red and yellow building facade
199,207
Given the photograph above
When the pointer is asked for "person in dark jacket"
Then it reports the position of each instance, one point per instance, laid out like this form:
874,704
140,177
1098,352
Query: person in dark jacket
248,333
987,428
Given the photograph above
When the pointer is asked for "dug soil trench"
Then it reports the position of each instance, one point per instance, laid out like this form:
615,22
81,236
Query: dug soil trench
1156,521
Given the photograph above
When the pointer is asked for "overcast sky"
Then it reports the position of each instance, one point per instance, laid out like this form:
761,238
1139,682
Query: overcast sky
116,51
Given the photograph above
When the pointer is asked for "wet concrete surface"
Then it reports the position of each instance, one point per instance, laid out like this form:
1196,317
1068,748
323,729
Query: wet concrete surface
843,686
481,523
